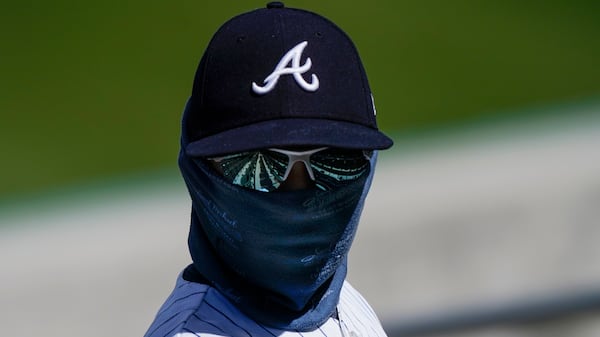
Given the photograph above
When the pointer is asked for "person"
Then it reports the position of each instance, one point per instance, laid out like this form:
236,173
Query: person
278,148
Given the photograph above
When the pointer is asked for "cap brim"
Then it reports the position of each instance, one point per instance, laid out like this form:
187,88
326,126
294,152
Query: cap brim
290,132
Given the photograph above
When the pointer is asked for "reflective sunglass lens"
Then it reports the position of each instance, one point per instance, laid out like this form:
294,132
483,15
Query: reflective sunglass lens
335,167
255,170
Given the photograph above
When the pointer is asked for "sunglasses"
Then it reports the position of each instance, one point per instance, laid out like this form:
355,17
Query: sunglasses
265,170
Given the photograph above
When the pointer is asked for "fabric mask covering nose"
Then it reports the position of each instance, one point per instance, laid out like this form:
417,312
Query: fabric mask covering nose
279,256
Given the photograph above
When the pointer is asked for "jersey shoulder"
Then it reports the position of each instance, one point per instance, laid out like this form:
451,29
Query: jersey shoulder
356,316
180,306
195,309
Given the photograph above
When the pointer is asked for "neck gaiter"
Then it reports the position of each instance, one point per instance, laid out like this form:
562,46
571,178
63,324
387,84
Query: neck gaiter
280,257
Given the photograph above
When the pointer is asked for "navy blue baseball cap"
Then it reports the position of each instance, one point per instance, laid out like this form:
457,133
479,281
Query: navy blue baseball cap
280,77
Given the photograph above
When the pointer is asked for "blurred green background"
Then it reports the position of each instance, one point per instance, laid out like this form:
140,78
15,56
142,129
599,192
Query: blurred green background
91,89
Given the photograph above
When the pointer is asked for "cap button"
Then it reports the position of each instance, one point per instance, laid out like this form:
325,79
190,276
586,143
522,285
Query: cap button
275,4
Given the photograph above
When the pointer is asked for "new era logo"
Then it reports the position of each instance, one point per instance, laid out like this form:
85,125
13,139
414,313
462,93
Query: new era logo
293,55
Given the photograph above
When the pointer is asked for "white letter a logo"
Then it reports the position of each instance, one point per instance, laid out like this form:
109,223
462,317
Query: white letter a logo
292,55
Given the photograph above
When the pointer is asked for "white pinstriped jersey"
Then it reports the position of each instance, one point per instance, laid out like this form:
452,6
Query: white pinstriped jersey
195,309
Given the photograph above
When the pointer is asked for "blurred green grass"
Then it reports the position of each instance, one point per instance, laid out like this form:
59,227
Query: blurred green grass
91,89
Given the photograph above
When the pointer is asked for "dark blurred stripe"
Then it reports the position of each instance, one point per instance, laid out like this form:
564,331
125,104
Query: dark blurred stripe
532,310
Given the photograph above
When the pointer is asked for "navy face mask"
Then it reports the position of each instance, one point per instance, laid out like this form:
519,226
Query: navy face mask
280,257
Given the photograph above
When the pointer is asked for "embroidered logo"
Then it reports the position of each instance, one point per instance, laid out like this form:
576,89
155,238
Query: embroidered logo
296,70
